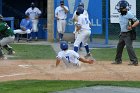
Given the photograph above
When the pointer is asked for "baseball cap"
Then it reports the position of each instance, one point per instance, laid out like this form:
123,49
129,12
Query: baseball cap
32,4
81,4
61,2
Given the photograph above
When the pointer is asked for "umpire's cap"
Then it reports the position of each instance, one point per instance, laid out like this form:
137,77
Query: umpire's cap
63,45
123,4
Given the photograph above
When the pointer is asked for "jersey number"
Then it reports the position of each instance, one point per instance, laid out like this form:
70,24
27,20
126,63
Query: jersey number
68,58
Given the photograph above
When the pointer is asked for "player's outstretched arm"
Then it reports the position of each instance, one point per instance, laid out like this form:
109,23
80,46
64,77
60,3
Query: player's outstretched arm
57,62
86,60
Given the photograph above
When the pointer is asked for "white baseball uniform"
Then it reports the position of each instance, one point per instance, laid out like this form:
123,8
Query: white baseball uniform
69,57
34,15
85,31
26,24
76,18
19,31
61,15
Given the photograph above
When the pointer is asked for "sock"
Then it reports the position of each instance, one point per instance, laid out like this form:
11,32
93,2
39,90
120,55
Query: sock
61,36
87,49
80,45
75,48
28,36
31,35
36,34
18,37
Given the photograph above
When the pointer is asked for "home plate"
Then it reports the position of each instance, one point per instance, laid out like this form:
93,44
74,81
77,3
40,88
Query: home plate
25,66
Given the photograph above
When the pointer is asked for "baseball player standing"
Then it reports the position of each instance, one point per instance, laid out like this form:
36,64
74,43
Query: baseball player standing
34,14
70,57
84,30
61,15
75,19
6,37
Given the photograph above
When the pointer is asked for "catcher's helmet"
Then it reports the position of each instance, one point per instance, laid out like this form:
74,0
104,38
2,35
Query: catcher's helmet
80,10
81,4
63,45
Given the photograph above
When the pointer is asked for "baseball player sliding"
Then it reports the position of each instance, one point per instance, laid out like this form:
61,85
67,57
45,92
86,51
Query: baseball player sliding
83,28
61,15
70,57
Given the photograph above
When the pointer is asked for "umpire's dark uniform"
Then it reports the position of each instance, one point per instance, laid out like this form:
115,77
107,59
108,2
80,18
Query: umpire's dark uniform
125,38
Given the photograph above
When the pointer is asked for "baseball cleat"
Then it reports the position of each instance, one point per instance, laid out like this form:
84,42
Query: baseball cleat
3,58
117,62
133,63
87,55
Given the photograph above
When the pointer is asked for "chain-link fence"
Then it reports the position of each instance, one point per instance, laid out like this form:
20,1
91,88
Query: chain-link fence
114,28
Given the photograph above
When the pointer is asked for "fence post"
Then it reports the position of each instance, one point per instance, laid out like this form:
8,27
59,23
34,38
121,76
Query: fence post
106,34
50,19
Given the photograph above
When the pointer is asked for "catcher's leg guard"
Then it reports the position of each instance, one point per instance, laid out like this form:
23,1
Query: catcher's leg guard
1,52
2,55
9,49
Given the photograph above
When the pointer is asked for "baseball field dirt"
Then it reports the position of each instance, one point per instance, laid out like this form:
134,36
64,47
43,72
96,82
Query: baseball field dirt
46,70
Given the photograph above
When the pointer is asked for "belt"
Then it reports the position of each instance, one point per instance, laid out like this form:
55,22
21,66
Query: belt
62,19
125,32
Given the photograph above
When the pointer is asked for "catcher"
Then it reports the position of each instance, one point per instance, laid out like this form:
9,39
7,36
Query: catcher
6,37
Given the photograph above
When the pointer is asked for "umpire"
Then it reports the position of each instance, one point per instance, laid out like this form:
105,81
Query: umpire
125,35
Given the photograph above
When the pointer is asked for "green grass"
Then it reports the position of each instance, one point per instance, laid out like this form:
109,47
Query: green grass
113,37
33,51
41,86
46,52
108,54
